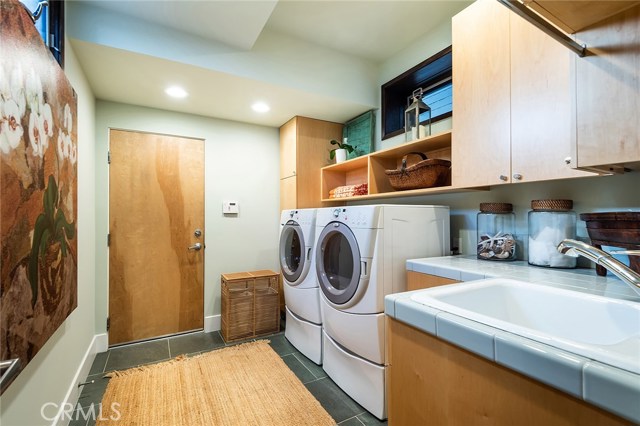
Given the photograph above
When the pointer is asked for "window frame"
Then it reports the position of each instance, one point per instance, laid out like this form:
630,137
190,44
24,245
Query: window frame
395,92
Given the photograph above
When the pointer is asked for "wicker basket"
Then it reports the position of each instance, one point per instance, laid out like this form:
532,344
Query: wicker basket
250,304
424,174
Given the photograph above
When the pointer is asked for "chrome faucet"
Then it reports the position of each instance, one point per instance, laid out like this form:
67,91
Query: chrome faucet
575,248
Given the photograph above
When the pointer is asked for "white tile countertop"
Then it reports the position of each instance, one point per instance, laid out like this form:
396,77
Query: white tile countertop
613,389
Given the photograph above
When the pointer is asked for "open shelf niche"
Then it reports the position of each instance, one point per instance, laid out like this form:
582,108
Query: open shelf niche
371,169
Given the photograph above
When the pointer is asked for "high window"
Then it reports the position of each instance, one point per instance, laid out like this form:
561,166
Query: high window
434,77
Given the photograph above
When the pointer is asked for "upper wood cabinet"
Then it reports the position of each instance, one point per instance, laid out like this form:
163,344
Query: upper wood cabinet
608,94
512,97
573,16
304,149
480,148
542,105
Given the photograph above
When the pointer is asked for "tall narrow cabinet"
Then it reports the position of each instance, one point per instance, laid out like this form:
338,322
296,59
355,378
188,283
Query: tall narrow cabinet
304,150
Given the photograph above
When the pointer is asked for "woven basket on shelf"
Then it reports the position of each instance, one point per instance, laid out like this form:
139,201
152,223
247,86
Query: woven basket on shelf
424,174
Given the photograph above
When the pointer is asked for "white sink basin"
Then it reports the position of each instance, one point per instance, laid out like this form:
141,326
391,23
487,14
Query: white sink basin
600,328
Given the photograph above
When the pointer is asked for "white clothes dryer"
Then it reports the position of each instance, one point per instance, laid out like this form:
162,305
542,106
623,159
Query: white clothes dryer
361,255
301,294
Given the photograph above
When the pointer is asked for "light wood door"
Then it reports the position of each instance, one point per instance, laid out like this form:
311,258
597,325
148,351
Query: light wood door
542,106
481,95
608,93
156,203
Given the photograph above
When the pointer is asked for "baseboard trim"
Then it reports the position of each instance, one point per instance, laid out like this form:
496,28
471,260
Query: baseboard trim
212,323
73,393
101,342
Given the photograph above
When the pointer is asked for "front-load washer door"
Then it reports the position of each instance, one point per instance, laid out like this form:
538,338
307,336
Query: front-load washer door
293,258
338,263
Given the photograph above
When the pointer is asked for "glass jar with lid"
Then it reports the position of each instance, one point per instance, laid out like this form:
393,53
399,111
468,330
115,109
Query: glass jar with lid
550,222
496,232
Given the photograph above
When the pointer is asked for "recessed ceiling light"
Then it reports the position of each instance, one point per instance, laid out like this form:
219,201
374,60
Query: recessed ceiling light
176,92
260,107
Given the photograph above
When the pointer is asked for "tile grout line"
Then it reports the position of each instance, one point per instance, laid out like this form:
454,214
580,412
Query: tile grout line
300,361
345,420
104,367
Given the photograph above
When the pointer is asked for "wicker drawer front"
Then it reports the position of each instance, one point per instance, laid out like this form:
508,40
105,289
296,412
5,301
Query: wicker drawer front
250,304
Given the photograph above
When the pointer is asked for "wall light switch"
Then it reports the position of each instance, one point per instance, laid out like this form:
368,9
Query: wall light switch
230,207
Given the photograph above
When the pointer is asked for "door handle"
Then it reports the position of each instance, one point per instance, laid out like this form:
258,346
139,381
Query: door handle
196,247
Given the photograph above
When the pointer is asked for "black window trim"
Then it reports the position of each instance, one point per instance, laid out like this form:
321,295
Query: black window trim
407,76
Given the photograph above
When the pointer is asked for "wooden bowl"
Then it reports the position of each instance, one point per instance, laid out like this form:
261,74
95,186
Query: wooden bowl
617,229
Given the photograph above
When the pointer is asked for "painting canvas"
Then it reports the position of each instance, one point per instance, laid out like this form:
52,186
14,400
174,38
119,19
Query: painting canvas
38,181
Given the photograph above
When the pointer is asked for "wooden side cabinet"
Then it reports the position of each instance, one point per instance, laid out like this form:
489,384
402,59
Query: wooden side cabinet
304,150
432,382
418,281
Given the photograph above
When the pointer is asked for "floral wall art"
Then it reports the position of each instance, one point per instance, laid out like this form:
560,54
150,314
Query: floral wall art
38,181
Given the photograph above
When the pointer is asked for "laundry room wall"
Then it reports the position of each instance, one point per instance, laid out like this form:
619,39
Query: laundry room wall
241,164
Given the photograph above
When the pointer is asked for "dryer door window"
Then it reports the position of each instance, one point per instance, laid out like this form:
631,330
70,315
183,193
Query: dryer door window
292,251
338,263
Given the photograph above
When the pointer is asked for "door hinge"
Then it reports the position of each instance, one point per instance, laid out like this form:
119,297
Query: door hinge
108,157
108,240
108,323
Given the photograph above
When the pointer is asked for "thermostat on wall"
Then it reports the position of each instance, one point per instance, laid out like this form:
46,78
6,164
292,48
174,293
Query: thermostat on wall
230,207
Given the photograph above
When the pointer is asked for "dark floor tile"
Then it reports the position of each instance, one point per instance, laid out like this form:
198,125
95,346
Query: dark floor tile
139,353
99,363
194,342
334,400
92,393
298,368
281,345
77,419
353,421
317,370
369,419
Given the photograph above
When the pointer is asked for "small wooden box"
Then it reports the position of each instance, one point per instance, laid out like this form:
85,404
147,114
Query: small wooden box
250,304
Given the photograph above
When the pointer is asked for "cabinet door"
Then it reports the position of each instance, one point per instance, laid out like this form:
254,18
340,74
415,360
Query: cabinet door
541,105
313,146
288,194
608,93
481,99
288,148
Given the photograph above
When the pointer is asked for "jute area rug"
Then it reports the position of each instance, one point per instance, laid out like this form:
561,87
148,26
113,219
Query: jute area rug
248,384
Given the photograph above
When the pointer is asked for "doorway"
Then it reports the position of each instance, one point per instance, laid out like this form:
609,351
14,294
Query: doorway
156,235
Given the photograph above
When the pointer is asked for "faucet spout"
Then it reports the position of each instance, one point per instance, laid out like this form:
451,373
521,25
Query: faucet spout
578,248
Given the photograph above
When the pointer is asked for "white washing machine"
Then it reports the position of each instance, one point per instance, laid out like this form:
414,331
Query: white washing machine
361,254
301,294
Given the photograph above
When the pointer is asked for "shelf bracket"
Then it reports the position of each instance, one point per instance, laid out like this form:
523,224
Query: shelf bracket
532,17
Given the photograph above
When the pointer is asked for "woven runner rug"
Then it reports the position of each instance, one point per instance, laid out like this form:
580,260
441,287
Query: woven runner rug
248,384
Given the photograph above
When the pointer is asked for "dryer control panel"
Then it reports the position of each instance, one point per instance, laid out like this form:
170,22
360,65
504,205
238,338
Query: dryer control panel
355,217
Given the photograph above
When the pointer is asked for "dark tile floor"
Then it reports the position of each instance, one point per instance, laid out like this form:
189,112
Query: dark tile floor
343,409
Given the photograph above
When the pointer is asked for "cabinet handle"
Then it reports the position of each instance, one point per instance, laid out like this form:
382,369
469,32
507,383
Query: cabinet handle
517,176
567,160
503,178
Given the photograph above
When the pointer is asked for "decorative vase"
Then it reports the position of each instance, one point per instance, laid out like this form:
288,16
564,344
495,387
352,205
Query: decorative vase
341,155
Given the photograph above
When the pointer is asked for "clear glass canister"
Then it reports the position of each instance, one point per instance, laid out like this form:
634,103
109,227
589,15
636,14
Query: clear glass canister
496,232
550,222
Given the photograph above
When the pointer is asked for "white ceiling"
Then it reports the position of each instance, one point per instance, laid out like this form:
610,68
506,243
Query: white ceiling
364,33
